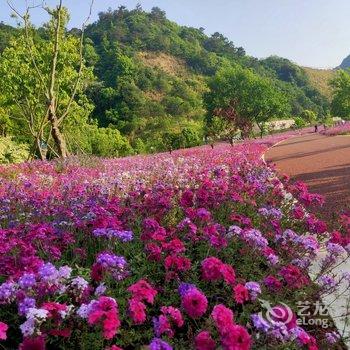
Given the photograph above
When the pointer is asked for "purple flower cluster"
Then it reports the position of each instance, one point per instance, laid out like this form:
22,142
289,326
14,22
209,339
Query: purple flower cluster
122,235
116,265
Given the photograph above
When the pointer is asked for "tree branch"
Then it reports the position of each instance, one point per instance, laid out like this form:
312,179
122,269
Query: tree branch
81,61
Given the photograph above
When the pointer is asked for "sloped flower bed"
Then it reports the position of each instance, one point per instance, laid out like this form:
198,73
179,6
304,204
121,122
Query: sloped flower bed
181,251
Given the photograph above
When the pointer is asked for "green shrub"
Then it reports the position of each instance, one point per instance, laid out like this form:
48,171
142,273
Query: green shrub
12,152
299,122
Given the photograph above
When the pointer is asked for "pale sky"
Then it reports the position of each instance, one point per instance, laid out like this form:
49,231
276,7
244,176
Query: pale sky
312,33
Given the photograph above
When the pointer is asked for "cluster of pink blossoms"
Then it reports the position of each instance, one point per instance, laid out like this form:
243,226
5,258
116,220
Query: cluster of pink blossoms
163,252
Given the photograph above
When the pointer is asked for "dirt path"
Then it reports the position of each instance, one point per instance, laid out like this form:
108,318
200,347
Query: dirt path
322,162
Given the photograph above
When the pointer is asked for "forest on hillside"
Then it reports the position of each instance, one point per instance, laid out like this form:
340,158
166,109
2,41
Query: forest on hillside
144,84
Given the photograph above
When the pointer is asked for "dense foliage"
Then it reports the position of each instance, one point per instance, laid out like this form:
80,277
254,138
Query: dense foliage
340,106
145,77
180,251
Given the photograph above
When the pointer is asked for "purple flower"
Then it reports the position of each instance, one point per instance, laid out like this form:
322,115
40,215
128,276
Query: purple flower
234,231
124,236
79,284
109,260
27,281
28,327
259,323
332,337
255,238
7,292
25,305
327,281
279,331
48,273
100,290
335,249
116,265
159,344
254,289
65,272
273,259
185,287
302,263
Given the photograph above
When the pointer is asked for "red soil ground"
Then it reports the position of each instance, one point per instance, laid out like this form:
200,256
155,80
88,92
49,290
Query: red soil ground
322,162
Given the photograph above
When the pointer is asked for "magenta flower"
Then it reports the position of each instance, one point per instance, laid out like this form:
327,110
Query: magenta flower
204,341
194,302
3,329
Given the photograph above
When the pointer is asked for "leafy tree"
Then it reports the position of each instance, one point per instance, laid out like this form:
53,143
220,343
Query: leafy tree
340,105
243,98
308,116
42,79
11,151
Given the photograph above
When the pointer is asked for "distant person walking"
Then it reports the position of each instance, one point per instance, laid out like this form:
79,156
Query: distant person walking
316,128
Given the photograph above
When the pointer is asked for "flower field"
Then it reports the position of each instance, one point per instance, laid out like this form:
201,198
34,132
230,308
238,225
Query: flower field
343,129
201,249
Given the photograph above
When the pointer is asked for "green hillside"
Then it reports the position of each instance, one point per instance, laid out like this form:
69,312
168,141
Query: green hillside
150,79
320,78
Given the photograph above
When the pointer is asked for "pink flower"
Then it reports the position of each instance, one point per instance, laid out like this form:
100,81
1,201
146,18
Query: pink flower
223,318
194,303
105,312
187,199
175,246
37,343
272,283
177,263
174,314
162,326
3,329
211,269
237,338
298,212
228,274
137,311
241,294
204,341
54,309
114,347
293,276
143,291
154,251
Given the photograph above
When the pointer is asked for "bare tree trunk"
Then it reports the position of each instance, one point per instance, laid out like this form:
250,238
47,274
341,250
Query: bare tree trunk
57,136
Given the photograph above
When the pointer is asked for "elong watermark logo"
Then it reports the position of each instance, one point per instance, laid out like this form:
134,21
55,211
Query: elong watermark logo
308,314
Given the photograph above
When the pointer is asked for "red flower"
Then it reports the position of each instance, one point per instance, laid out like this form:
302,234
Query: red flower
211,269
237,338
204,341
186,199
37,343
195,303
97,271
175,246
241,294
228,274
272,283
177,263
223,318
137,311
293,276
143,291
54,309
174,314
105,311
